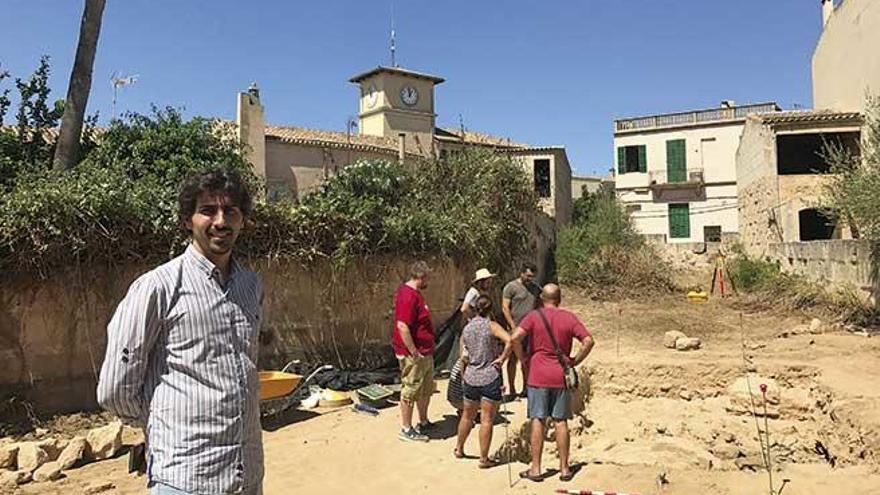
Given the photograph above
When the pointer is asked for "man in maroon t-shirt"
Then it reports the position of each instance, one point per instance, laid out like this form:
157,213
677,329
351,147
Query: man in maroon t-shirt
413,343
547,396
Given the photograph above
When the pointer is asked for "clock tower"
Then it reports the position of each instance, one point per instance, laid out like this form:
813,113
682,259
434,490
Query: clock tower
396,101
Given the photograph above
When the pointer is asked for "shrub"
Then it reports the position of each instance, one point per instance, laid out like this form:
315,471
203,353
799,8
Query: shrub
766,287
119,204
751,274
604,254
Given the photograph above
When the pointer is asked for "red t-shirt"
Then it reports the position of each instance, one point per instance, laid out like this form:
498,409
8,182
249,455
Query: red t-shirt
544,368
410,307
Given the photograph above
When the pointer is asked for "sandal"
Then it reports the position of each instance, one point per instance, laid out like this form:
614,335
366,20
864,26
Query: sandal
459,454
567,477
527,476
488,464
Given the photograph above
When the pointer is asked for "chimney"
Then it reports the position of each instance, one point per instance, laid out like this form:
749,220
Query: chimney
401,147
827,11
252,128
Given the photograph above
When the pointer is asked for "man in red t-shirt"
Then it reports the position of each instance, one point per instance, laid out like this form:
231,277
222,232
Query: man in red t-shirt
413,343
547,396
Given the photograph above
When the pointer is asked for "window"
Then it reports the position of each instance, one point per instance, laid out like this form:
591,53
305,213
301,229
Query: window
805,153
676,161
632,159
815,225
679,221
712,233
542,178
633,208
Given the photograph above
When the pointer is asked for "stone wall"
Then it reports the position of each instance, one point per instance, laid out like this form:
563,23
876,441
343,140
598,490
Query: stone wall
835,262
52,332
692,255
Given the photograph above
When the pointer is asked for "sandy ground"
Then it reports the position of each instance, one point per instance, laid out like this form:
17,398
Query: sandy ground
652,411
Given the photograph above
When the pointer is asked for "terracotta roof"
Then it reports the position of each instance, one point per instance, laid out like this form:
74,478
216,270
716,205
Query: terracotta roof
809,116
471,137
332,139
395,70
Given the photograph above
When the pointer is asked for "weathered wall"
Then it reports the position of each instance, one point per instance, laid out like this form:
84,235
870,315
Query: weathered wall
835,262
690,255
295,169
845,62
758,187
52,332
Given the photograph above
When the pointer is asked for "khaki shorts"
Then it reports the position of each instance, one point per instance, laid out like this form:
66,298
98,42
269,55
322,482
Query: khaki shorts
417,377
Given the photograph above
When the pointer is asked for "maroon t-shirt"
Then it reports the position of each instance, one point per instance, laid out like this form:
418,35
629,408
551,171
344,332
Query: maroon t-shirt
544,368
410,307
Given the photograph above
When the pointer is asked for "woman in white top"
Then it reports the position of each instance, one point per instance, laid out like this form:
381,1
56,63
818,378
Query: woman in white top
479,287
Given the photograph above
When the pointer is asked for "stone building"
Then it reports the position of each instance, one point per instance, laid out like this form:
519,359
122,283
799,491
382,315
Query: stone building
396,121
676,172
588,183
781,170
781,161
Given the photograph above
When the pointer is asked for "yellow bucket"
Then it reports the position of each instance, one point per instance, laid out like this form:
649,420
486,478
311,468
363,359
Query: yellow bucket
276,384
695,296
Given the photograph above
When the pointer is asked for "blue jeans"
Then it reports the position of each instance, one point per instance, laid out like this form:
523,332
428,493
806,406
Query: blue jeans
160,489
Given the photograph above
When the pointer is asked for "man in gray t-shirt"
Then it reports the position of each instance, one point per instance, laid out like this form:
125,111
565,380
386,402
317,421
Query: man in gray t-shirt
517,300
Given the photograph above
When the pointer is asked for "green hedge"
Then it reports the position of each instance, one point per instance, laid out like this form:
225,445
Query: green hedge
119,204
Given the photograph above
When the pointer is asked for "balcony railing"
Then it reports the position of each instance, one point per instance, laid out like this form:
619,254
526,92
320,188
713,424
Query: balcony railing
684,178
692,118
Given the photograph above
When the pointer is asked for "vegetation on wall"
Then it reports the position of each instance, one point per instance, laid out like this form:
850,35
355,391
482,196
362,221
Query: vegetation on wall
855,181
118,204
765,287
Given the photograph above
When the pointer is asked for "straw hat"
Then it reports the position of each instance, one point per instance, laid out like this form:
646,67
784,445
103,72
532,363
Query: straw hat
483,274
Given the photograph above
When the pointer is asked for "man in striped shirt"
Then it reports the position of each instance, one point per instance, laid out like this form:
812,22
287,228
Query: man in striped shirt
181,357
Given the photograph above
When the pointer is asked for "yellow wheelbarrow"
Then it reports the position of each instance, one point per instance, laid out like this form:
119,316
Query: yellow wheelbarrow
277,387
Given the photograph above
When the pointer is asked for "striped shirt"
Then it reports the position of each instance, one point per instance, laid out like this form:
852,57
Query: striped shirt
181,362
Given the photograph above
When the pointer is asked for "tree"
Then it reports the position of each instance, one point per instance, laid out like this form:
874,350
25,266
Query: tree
80,85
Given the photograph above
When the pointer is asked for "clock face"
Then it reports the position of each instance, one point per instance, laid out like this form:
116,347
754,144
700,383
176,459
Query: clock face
409,95
371,97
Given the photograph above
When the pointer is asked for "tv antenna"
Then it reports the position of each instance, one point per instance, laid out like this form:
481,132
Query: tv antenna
120,81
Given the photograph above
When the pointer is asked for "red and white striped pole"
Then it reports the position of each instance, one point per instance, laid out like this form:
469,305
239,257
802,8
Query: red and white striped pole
590,492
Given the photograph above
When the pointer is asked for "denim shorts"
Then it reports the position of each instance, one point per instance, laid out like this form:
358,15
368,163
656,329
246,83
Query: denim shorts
490,392
548,403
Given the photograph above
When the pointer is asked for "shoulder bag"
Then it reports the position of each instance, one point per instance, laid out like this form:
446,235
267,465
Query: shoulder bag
568,372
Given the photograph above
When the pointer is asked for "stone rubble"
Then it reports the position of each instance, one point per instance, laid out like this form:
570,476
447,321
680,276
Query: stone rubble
104,442
8,456
687,344
72,453
31,455
48,472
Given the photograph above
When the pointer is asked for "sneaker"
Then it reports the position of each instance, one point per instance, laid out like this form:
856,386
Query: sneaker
412,435
425,426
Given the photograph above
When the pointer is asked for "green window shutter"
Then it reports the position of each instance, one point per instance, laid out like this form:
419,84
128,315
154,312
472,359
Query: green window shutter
621,160
679,221
676,161
643,158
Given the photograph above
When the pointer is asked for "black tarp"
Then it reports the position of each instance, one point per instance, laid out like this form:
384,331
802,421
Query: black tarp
388,372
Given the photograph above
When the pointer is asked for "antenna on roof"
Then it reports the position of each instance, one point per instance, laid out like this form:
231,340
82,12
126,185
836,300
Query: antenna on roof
119,81
393,47
461,125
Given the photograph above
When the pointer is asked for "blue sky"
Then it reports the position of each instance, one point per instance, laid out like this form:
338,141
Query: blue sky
542,72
